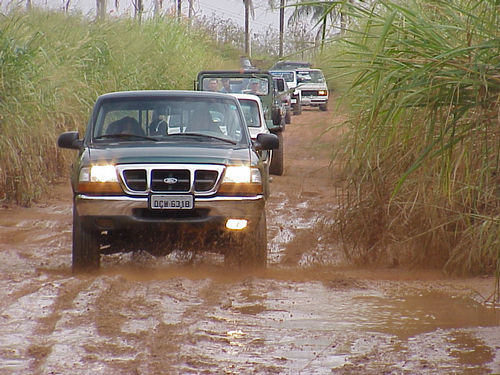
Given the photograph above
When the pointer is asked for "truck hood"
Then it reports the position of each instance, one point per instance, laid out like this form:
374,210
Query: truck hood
141,153
313,86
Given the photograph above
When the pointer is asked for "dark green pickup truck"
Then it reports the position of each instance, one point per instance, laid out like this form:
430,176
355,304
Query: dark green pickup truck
166,170
257,82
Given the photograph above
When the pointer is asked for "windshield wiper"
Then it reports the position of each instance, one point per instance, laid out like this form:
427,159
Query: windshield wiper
204,135
126,136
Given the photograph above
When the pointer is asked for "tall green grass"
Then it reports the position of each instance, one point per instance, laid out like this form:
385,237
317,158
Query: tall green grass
423,148
53,67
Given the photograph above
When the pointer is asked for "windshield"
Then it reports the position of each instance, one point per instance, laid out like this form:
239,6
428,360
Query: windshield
236,85
311,76
139,119
250,110
285,65
287,76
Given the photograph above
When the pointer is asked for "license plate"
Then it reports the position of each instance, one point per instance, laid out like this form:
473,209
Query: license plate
171,202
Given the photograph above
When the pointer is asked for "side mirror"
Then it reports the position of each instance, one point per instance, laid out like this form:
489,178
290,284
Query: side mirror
281,85
267,142
70,140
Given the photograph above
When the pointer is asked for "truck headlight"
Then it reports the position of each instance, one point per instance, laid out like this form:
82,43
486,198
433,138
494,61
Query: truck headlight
239,180
322,92
99,179
237,174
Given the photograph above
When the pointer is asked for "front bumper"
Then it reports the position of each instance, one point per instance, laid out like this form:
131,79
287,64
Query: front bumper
133,213
314,100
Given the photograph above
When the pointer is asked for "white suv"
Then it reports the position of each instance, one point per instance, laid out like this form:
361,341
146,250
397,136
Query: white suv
290,77
253,112
313,88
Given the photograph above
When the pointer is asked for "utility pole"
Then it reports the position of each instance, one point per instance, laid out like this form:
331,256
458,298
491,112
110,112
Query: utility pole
157,8
179,9
138,9
101,9
191,10
282,26
247,31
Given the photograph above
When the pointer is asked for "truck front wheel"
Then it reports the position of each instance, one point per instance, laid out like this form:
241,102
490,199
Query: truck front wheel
250,250
297,108
85,253
276,166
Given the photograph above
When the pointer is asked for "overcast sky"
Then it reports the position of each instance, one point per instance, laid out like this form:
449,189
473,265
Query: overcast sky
226,9
235,10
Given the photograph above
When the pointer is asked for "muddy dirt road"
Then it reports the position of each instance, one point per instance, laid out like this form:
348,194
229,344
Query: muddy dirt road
307,314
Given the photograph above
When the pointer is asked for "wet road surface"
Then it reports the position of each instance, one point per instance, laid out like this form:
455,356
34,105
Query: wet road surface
308,313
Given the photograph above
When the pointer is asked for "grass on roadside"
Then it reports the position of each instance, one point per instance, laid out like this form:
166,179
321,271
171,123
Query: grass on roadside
422,176
53,68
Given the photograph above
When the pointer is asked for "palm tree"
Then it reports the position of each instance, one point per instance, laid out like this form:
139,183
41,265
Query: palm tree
191,9
101,9
138,9
157,5
66,6
282,4
324,12
320,12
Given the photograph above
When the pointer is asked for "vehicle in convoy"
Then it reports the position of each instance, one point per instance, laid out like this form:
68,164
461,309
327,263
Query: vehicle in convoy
245,63
166,170
290,77
291,65
313,88
254,117
256,82
285,97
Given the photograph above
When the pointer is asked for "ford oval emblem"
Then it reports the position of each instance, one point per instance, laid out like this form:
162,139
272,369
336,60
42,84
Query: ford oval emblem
170,180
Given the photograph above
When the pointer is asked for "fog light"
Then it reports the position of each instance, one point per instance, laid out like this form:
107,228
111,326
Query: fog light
236,224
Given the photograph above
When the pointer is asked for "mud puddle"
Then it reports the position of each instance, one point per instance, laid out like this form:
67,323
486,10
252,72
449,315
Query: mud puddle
308,313
191,319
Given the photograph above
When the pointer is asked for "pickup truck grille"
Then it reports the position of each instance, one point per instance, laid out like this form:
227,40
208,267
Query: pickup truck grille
309,92
135,179
204,180
169,179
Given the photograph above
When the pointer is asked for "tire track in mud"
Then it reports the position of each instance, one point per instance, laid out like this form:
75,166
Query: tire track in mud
302,200
182,315
133,327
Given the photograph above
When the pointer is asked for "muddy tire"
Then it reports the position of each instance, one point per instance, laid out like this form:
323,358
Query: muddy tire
297,109
250,250
276,166
288,117
323,107
85,252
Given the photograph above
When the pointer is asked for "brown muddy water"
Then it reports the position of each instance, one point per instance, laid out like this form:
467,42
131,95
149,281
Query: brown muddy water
308,313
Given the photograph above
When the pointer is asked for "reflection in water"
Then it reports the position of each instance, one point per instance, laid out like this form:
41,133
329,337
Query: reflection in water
470,349
425,312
